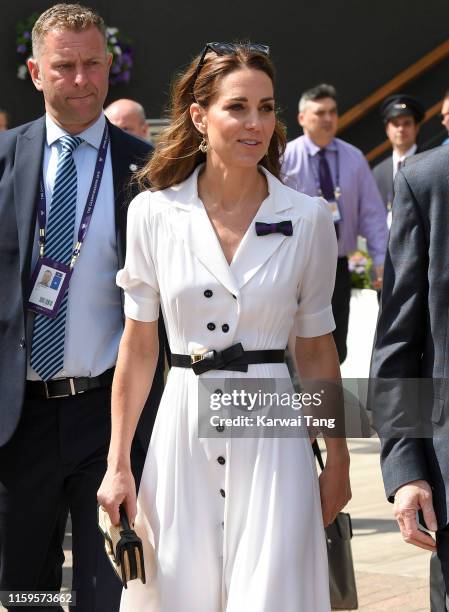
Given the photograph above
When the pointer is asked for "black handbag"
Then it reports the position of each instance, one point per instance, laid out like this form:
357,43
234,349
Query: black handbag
343,588
123,547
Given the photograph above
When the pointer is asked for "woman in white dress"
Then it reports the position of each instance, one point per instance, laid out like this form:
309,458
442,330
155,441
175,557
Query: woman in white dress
228,523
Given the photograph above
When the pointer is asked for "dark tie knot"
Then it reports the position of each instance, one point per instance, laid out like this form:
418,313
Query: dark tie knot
322,152
69,143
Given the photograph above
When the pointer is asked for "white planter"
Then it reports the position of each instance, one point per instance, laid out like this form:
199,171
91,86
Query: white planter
363,314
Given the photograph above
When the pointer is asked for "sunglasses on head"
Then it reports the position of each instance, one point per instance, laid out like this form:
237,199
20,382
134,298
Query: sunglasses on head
228,49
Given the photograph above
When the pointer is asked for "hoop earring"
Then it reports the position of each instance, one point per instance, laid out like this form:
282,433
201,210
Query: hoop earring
203,146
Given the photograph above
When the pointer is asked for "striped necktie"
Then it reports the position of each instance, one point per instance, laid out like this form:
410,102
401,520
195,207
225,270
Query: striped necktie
47,345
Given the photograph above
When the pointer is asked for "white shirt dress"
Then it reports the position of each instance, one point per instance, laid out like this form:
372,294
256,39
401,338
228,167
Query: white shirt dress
228,523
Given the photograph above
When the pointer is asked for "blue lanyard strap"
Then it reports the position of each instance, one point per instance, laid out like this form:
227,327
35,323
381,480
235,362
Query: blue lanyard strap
90,203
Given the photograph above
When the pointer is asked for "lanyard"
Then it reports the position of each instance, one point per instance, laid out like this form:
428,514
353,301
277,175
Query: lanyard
90,203
337,190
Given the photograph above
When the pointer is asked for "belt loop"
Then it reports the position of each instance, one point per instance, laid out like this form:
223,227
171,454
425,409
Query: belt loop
72,386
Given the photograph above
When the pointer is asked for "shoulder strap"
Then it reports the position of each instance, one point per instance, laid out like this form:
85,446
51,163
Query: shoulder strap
317,453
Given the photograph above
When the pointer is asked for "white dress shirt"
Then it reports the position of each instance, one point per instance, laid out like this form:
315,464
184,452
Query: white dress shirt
94,317
401,158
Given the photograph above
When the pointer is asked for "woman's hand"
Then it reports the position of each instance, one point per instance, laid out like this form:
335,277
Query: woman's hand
136,363
118,487
335,488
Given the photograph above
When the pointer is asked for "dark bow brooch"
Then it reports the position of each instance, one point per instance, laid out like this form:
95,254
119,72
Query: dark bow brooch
283,227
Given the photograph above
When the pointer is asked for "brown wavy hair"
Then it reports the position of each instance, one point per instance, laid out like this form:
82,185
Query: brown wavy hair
176,154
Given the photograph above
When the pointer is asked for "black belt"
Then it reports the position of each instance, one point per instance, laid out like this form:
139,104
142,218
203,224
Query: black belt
63,387
234,358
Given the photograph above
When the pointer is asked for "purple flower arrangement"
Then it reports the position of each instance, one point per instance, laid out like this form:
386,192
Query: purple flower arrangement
122,58
119,46
23,44
360,265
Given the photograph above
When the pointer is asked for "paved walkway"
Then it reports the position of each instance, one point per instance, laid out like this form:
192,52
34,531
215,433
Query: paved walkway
391,575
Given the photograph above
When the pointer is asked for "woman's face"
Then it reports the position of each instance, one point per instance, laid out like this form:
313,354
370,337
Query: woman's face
240,119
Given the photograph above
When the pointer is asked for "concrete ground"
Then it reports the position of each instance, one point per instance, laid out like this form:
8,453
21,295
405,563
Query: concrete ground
391,575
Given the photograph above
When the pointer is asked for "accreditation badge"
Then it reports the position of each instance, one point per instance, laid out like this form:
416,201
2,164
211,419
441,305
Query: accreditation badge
334,210
49,283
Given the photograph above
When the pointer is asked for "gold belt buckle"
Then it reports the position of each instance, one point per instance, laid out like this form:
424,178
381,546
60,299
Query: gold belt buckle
195,358
206,354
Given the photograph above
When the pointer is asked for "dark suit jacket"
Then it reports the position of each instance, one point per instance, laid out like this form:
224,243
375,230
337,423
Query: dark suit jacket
21,154
412,338
383,174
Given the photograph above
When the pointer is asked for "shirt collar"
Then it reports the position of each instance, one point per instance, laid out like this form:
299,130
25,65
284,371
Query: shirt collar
312,148
92,135
409,153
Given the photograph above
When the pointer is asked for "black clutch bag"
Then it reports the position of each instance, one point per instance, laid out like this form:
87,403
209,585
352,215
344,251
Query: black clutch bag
123,547
343,588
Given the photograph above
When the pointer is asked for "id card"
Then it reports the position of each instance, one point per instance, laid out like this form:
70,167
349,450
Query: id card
49,283
335,210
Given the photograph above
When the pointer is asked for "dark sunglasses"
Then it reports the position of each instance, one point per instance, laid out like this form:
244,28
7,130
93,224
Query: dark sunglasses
228,49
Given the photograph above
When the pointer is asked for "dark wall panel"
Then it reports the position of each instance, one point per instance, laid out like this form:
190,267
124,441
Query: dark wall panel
355,44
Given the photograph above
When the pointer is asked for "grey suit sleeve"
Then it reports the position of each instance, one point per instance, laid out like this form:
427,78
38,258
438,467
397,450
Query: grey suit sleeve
399,341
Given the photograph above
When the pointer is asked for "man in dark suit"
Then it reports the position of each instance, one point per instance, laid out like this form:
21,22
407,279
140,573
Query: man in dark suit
411,355
401,115
56,372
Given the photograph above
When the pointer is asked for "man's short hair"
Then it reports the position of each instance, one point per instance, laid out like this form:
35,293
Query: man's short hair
65,17
317,93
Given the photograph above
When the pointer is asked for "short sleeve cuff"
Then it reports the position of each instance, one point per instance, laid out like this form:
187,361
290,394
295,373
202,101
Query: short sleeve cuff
317,324
140,309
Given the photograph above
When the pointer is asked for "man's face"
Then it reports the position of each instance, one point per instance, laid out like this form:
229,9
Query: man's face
72,71
445,114
402,131
319,120
3,122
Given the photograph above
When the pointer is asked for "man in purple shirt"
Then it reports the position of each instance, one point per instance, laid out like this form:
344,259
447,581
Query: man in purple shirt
320,164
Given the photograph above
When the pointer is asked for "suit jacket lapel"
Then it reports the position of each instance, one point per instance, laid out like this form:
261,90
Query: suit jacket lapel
121,174
27,166
389,180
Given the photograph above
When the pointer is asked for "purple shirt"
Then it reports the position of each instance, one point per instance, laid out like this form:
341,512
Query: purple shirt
361,206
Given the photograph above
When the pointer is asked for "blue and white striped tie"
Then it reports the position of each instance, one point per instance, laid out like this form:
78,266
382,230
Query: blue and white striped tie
47,345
